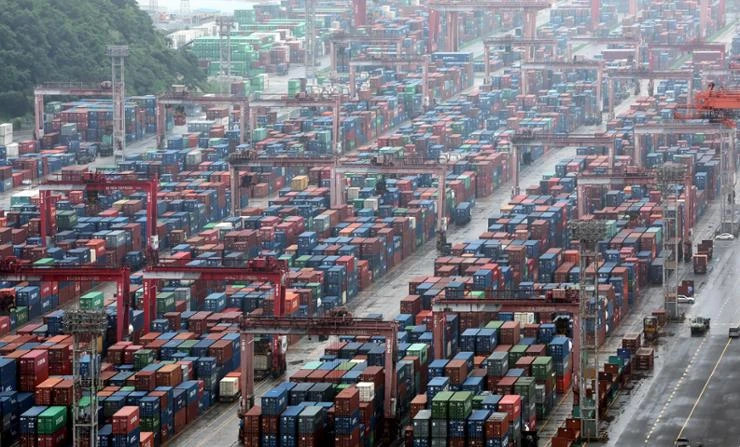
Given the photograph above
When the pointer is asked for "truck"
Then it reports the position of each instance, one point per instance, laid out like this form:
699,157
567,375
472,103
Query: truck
650,328
734,332
699,325
462,213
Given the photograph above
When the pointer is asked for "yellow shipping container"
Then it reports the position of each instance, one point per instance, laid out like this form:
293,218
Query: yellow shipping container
299,183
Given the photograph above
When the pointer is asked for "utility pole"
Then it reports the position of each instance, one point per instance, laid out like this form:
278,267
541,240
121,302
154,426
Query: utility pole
224,45
588,233
670,177
118,55
728,168
85,326
310,41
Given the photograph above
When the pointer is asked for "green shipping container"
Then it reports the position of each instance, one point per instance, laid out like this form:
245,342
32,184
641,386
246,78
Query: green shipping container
461,405
51,420
186,346
91,301
165,303
143,357
440,403
542,367
516,352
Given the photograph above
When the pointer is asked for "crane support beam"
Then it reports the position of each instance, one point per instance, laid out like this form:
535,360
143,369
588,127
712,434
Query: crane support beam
498,5
176,99
442,306
12,271
334,325
95,182
61,89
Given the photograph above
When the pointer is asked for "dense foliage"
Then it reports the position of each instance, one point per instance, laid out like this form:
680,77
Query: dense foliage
51,40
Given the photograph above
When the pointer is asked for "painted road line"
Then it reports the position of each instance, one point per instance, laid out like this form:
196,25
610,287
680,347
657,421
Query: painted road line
673,393
706,384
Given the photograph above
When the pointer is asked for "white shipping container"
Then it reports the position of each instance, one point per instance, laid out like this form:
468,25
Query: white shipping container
260,363
371,203
353,192
228,387
367,391
524,317
193,158
6,139
6,128
11,150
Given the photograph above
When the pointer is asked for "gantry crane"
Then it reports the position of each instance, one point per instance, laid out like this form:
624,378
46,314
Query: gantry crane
558,140
258,269
508,42
342,166
346,39
614,73
397,62
76,89
499,301
595,9
451,9
115,89
12,269
611,40
341,323
609,181
719,104
331,100
686,47
93,183
723,106
575,64
179,96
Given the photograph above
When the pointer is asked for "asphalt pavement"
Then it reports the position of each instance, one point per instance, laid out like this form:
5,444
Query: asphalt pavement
692,392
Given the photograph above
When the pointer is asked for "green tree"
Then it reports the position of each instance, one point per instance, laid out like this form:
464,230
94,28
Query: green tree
50,40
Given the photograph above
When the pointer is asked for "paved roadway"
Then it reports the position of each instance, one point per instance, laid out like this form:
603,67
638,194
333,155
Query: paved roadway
691,392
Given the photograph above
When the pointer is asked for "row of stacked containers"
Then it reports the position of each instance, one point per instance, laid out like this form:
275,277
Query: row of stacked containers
501,372
167,378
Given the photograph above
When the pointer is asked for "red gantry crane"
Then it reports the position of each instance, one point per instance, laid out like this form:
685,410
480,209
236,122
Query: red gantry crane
180,96
12,269
452,9
575,64
504,301
341,166
686,47
339,323
508,42
629,73
560,141
258,269
93,183
76,89
397,62
343,38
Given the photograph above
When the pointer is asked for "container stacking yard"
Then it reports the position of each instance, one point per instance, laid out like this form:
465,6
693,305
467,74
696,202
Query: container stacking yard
395,258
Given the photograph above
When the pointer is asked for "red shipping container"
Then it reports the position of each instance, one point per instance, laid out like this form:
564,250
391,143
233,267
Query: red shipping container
43,392
54,440
181,419
34,369
146,439
511,404
347,402
125,420
63,393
